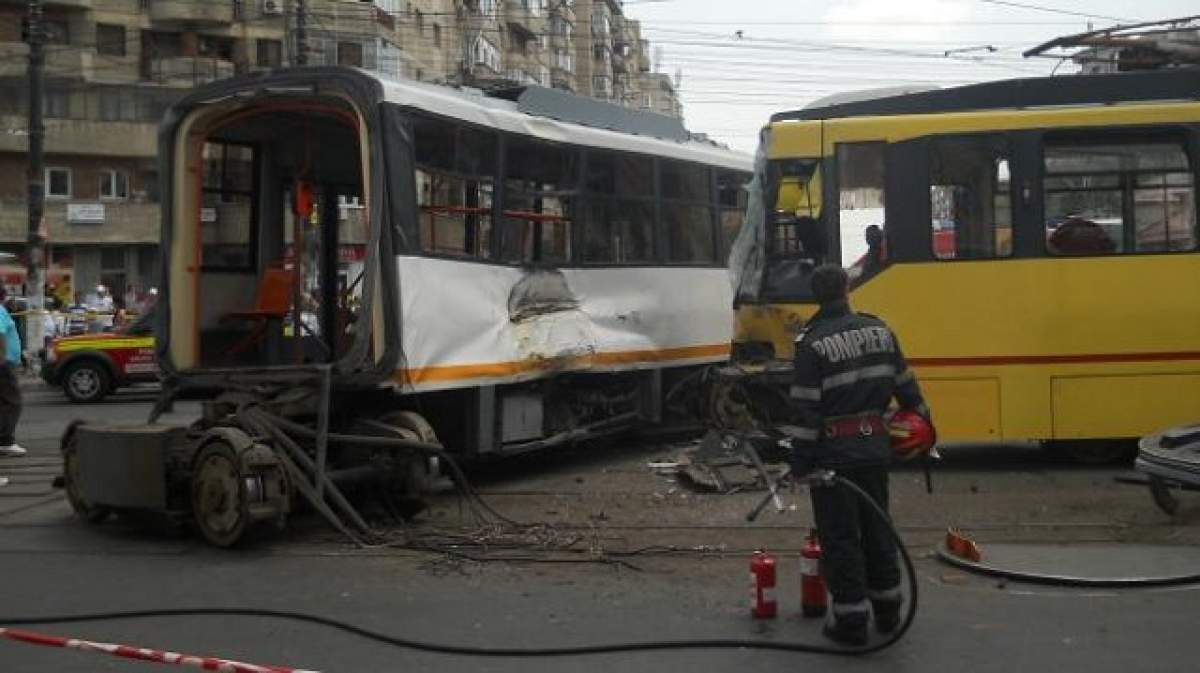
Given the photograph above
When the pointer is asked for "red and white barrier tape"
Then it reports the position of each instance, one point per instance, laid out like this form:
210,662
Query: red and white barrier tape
144,654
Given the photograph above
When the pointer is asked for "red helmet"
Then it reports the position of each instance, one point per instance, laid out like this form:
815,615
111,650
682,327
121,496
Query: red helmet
912,434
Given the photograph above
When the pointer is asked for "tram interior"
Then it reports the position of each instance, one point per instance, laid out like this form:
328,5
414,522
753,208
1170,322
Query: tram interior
282,236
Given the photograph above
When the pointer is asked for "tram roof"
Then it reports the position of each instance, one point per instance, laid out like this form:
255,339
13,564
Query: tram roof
1126,87
577,120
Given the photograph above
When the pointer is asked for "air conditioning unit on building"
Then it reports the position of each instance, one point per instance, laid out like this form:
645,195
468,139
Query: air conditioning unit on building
272,7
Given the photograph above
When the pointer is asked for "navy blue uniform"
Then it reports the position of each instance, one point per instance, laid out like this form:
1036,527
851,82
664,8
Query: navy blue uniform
848,368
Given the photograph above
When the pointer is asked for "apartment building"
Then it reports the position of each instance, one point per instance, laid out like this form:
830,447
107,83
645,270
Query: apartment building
114,66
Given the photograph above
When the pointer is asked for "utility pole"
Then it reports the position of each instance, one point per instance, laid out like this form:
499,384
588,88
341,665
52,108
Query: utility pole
35,283
301,32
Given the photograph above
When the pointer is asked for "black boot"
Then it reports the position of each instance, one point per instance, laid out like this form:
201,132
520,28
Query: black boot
848,629
887,615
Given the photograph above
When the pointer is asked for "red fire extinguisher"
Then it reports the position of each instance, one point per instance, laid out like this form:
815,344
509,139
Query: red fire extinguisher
762,586
813,601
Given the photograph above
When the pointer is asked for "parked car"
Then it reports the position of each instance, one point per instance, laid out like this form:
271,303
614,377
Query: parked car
90,366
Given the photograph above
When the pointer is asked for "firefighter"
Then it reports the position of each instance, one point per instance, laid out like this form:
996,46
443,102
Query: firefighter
848,367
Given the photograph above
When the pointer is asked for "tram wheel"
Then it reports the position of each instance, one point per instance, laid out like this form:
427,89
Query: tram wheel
414,422
88,511
419,471
1160,490
220,502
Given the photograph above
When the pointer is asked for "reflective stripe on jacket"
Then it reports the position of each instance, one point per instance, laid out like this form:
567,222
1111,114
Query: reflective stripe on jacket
847,364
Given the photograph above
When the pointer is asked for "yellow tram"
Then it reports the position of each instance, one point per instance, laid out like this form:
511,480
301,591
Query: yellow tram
1039,256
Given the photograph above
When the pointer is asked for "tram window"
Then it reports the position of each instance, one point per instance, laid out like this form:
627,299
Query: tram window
1165,212
456,214
795,222
685,181
619,218
540,184
970,199
1111,196
618,231
687,212
456,166
731,199
620,174
689,232
227,216
860,199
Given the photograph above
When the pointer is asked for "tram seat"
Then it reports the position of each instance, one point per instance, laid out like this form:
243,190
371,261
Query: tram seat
272,302
1077,236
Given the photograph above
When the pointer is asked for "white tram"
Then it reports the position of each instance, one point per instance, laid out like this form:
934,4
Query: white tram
494,272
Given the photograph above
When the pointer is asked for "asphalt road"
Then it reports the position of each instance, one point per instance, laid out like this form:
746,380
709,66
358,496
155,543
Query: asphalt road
50,563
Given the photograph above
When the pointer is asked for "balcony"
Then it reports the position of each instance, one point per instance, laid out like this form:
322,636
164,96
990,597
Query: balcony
521,19
53,4
619,62
209,11
84,136
124,222
186,71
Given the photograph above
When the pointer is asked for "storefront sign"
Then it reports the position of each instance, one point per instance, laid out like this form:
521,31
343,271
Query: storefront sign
85,213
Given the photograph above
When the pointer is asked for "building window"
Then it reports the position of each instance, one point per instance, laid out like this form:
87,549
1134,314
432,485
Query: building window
487,54
270,53
1108,194
212,46
57,104
420,20
350,53
110,39
114,185
57,31
117,105
58,183
970,201
437,35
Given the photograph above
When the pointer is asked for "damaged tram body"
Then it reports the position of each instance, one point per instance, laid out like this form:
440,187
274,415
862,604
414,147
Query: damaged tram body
347,256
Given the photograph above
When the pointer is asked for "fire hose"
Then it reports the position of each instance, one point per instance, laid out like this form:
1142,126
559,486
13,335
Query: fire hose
824,478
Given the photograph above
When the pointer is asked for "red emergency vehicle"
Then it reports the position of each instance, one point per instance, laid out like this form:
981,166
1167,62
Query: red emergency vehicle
90,366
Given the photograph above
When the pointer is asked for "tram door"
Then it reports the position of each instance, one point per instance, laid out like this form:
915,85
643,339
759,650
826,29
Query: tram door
325,235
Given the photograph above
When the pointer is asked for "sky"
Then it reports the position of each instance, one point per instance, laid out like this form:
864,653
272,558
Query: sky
791,52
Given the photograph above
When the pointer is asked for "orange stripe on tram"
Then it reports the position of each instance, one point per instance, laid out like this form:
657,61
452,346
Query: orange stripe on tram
501,369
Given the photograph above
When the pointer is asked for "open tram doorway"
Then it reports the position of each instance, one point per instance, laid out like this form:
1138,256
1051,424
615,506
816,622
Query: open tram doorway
270,213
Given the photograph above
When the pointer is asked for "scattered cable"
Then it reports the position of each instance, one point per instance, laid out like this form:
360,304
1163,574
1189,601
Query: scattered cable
526,652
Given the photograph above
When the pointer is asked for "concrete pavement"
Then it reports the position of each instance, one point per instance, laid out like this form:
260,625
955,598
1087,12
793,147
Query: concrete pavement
52,563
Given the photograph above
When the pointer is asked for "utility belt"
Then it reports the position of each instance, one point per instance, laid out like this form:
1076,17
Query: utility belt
855,425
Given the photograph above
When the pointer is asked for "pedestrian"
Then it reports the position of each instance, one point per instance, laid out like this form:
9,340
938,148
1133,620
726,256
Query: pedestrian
10,387
848,367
